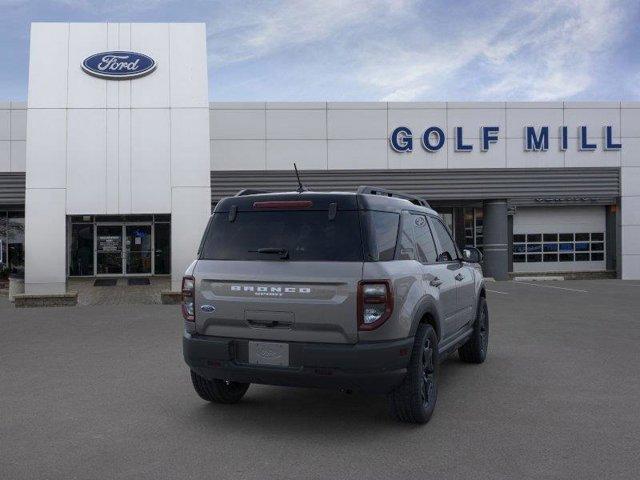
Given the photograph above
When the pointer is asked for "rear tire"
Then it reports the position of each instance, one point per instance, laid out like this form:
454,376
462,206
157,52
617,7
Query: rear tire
218,391
415,400
475,350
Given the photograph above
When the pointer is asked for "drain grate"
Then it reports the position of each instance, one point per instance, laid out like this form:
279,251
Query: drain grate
138,281
105,282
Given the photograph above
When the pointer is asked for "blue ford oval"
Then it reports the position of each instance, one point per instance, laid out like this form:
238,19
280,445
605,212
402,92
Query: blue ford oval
118,65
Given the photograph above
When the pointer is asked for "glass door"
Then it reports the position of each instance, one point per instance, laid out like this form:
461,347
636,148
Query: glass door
109,250
139,249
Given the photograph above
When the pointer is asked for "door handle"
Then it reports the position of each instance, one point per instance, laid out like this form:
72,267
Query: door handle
436,282
459,277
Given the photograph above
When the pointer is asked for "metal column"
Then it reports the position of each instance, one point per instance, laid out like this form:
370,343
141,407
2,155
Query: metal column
496,254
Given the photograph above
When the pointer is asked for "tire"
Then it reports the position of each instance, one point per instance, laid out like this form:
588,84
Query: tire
475,350
218,391
415,400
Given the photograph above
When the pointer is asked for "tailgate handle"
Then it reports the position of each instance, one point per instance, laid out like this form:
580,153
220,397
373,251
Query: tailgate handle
269,319
270,323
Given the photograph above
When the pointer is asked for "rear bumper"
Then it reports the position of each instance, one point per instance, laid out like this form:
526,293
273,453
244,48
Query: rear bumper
374,367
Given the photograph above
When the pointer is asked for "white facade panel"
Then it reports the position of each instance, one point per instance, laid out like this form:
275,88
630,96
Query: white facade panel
356,124
150,160
630,182
630,121
18,124
85,91
418,158
631,239
45,241
47,148
191,208
238,155
48,62
188,54
18,156
517,157
630,153
5,156
307,154
357,154
152,91
592,118
111,161
519,118
471,119
598,158
494,157
296,124
5,124
234,124
190,155
124,86
86,161
124,161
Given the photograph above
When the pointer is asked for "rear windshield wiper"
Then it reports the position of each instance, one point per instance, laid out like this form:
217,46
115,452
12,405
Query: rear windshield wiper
283,252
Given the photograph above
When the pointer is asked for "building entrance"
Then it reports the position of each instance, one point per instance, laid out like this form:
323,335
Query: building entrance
132,245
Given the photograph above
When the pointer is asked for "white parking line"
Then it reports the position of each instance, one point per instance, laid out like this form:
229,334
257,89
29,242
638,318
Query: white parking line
496,291
551,286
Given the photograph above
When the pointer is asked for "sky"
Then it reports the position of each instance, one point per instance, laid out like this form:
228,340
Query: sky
377,50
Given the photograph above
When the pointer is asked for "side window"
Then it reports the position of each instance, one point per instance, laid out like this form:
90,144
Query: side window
447,251
406,250
425,246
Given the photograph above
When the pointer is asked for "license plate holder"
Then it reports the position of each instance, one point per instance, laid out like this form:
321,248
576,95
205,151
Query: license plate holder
269,353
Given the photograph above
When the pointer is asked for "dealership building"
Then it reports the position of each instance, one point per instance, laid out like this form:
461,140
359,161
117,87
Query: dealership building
113,164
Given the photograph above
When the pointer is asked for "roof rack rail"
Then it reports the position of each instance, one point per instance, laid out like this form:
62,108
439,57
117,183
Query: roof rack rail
365,189
249,191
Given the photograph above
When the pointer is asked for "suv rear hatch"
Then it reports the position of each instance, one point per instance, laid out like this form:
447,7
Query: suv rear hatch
281,267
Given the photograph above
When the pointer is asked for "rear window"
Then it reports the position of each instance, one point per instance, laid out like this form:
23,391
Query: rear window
305,236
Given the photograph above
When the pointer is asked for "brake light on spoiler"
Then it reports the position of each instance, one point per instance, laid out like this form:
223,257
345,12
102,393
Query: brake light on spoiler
282,204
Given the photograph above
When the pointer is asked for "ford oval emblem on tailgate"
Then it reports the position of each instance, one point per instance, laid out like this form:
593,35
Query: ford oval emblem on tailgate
207,308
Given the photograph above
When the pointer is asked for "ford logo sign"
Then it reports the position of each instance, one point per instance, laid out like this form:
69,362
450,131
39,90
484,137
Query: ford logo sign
207,308
118,65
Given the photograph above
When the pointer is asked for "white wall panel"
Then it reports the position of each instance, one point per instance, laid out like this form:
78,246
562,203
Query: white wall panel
418,120
18,124
86,161
190,208
48,62
5,156
150,161
630,211
518,118
111,162
307,154
86,91
238,124
418,158
124,86
124,161
45,241
517,157
238,155
630,153
630,120
357,124
631,239
5,124
47,148
151,91
296,124
190,164
113,43
18,156
592,118
630,181
472,119
495,157
357,154
188,69
598,158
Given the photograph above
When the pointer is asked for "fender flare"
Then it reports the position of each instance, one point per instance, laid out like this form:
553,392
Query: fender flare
427,306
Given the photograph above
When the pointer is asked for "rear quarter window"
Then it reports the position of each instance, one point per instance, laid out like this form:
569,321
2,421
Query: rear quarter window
383,235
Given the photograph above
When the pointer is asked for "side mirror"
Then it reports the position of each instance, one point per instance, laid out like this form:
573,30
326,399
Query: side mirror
472,255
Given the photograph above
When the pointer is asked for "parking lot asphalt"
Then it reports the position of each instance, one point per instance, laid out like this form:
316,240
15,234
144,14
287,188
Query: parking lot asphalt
102,392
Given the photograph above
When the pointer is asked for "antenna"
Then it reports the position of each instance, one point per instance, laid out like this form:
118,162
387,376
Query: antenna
301,187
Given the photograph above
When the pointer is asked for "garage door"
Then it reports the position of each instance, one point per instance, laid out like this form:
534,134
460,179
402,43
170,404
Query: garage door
559,239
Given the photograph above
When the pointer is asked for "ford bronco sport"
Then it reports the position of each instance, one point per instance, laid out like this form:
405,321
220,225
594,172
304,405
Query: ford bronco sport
361,291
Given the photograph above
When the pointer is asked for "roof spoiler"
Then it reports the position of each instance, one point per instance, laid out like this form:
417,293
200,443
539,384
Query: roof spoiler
250,191
368,190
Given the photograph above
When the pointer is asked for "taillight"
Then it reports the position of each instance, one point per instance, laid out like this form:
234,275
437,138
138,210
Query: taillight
188,298
375,303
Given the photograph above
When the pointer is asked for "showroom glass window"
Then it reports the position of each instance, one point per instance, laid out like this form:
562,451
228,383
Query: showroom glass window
12,239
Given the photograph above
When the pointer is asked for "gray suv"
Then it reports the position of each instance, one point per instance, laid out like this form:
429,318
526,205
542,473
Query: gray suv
362,291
